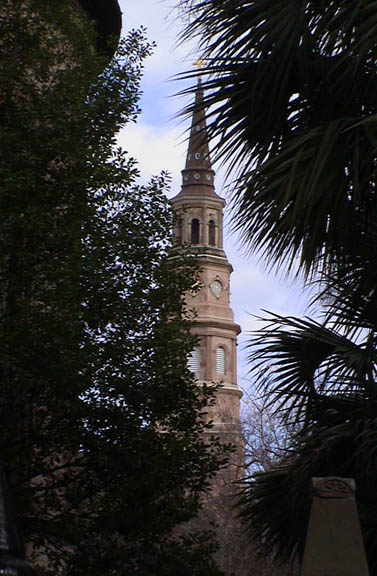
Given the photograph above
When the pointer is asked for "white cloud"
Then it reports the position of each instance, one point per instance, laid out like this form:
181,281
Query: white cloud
163,27
156,148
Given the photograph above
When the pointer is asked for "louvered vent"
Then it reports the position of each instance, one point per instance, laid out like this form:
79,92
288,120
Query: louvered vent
193,361
220,360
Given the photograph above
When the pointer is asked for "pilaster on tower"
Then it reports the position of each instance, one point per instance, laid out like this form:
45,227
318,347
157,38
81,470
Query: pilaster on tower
199,231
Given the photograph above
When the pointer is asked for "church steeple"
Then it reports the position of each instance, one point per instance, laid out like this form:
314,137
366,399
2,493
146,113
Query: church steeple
199,231
198,171
199,208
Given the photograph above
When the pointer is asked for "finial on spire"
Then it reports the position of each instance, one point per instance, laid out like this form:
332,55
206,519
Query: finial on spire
199,64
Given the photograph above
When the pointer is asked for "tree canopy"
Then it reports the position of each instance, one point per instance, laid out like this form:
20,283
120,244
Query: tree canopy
100,417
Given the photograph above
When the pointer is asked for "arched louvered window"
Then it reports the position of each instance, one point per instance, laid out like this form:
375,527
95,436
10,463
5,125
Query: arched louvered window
212,233
220,360
193,361
195,231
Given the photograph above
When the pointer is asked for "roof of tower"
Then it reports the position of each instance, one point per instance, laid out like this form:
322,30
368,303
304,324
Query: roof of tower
198,175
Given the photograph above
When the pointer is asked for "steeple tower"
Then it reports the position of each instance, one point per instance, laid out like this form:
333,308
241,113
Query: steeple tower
198,170
199,231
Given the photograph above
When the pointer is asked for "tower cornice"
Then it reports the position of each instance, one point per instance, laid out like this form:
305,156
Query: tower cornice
217,323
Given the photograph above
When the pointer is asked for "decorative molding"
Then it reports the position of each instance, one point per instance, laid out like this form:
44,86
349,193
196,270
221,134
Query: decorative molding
333,487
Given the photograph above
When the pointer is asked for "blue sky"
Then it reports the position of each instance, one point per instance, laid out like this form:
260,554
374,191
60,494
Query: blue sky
158,143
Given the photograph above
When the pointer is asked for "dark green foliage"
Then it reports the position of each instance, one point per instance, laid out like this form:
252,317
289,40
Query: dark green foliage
188,555
99,416
293,91
326,383
321,378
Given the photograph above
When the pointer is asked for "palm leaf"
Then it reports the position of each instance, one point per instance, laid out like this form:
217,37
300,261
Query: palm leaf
324,380
349,292
275,505
293,92
304,360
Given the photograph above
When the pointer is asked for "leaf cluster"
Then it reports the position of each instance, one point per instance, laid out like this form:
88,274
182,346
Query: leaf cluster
323,383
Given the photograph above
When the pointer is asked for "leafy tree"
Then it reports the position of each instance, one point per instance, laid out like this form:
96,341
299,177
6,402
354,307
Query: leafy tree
100,418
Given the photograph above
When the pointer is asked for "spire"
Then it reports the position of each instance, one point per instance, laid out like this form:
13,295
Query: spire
198,174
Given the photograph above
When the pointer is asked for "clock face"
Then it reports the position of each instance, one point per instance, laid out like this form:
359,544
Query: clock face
216,288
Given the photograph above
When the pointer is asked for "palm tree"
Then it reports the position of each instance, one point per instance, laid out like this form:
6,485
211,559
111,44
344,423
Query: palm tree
293,92
321,378
292,88
324,379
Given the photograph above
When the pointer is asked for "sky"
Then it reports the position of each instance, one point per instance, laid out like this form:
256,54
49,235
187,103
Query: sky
158,143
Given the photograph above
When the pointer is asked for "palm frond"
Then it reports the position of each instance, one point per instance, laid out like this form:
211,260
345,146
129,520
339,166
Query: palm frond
275,505
293,92
305,360
348,293
276,526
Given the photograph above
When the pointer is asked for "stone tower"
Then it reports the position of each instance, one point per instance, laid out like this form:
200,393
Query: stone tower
199,230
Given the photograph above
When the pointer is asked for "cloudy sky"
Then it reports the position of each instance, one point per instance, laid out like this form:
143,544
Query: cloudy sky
158,142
